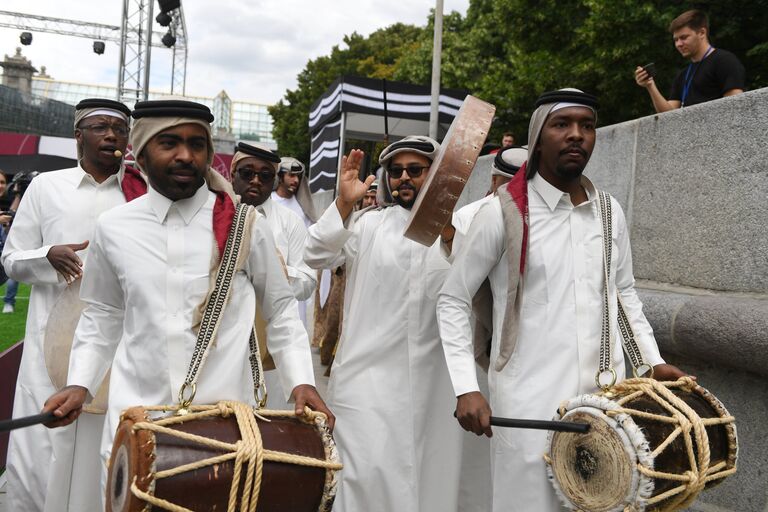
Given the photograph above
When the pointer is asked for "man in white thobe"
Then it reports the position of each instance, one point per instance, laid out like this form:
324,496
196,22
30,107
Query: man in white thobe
400,446
253,171
149,271
52,470
292,192
542,229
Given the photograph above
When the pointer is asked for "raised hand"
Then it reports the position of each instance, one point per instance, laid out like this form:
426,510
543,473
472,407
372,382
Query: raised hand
351,189
66,262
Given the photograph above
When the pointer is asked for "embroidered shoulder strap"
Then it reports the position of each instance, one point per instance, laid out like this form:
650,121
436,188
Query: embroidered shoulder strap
212,315
605,367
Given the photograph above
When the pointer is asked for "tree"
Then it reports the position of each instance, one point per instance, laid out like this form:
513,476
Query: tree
508,52
375,56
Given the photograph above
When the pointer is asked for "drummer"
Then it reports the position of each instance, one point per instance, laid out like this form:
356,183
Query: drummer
389,384
148,275
46,248
546,340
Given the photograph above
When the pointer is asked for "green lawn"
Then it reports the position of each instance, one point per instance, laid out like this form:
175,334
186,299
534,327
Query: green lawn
12,324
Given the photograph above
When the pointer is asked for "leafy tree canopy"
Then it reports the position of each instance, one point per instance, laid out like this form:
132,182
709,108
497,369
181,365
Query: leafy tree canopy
509,51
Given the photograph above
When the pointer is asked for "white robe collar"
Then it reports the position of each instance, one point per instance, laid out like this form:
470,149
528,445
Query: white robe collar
552,195
187,207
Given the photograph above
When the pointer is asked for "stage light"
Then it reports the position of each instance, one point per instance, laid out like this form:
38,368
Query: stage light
169,39
169,5
98,47
164,19
26,38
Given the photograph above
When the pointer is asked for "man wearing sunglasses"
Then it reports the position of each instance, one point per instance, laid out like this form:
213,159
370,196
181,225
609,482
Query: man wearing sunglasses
253,172
401,451
46,248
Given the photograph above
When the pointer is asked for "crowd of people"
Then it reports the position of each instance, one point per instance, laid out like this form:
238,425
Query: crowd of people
502,314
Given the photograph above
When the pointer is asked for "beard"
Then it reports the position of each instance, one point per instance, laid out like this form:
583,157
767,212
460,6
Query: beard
571,170
402,202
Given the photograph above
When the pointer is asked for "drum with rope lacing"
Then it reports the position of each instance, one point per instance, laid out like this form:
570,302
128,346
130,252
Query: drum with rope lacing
227,457
651,446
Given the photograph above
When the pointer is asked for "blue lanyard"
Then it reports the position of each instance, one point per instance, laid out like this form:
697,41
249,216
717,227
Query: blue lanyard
688,81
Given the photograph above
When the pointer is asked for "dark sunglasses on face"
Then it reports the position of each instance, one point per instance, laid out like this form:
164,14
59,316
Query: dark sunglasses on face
248,174
102,129
414,171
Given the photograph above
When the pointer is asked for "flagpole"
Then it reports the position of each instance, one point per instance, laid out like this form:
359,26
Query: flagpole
436,55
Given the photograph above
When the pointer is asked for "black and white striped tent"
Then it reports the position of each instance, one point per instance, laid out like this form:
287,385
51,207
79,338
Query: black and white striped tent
366,109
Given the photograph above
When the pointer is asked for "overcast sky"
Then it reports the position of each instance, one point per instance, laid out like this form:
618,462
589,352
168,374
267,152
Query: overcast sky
251,48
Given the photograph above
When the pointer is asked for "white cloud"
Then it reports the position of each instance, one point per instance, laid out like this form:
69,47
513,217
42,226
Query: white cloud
252,49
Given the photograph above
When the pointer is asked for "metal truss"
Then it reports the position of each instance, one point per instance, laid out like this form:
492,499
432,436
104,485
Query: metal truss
87,29
131,35
179,71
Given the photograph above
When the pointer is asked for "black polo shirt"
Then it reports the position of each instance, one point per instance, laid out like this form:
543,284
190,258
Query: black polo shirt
717,74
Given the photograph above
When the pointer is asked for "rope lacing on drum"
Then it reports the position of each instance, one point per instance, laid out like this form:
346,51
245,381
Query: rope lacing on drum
248,453
689,425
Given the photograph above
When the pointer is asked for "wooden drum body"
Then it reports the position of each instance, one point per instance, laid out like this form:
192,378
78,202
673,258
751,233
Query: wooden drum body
189,462
651,446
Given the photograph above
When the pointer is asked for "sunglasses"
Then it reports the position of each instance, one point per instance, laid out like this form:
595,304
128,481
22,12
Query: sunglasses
249,174
102,129
414,171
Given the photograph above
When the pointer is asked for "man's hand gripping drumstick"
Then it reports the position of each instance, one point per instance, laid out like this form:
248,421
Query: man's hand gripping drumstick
66,404
474,413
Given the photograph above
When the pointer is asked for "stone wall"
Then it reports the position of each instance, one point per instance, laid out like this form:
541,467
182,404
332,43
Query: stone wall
694,186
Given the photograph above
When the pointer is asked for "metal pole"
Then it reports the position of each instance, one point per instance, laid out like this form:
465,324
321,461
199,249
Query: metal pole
386,113
342,142
123,43
437,50
148,51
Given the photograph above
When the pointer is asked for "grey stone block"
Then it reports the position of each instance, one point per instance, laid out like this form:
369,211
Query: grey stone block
611,166
699,211
745,395
730,330
722,340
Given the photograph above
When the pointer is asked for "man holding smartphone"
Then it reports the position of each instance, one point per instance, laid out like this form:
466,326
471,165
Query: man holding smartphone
712,73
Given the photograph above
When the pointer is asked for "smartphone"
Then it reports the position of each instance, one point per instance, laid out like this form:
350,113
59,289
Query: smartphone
650,69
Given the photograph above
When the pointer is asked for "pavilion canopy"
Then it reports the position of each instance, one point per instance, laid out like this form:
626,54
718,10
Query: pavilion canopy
368,109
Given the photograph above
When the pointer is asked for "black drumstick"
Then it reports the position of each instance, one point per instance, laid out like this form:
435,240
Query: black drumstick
558,426
27,421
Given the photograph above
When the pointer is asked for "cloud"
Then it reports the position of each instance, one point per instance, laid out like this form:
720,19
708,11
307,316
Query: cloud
254,50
